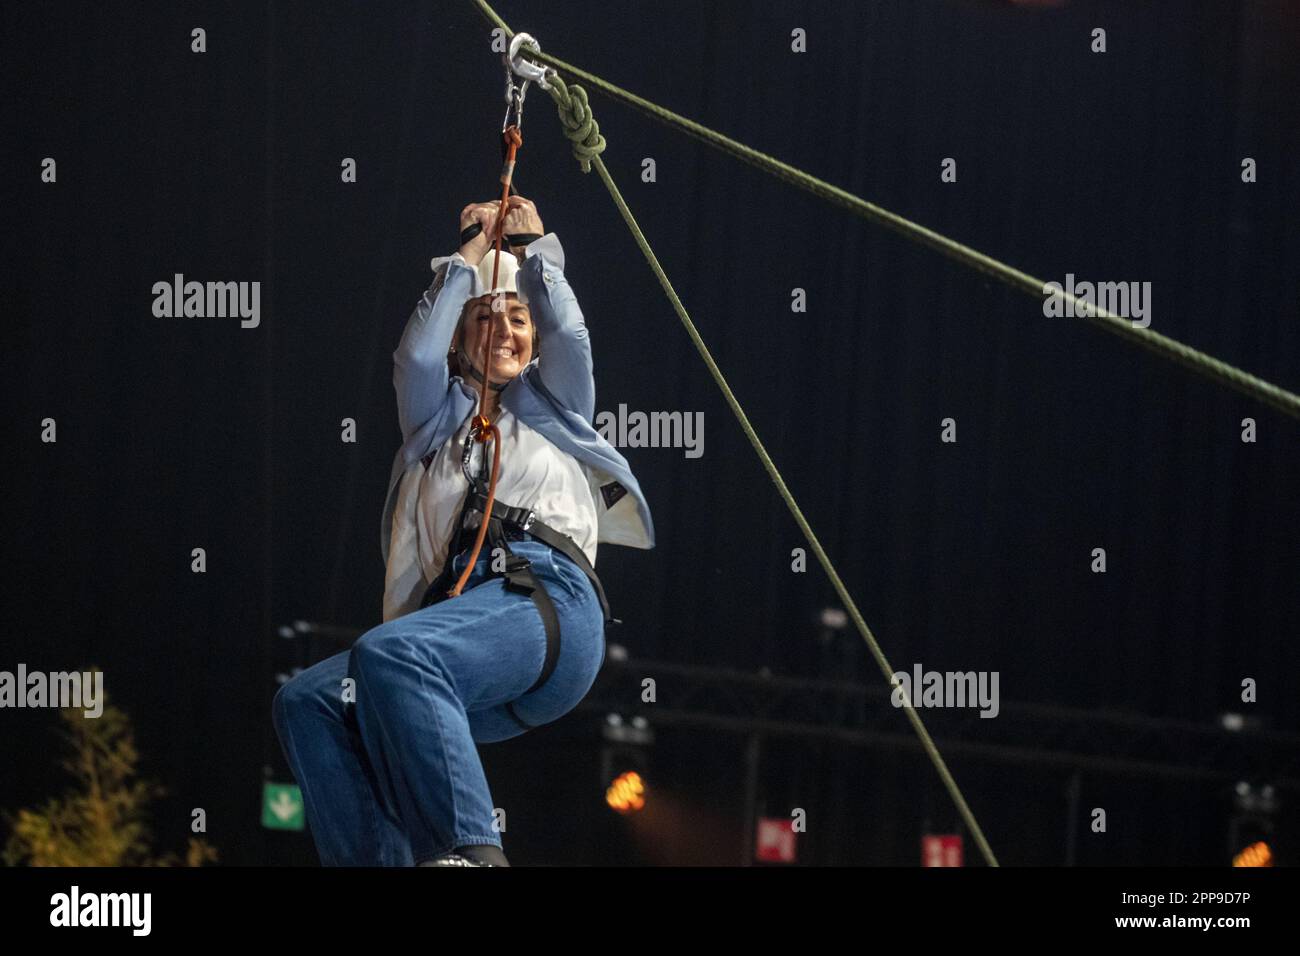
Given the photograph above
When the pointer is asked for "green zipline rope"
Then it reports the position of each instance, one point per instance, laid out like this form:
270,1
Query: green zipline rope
582,130
1203,364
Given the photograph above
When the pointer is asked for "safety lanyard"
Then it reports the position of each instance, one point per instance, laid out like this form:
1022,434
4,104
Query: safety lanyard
482,430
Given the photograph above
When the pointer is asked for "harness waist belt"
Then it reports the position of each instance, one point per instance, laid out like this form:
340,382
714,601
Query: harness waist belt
524,520
510,523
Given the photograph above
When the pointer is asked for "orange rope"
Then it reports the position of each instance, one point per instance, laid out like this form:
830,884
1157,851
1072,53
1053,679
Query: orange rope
482,428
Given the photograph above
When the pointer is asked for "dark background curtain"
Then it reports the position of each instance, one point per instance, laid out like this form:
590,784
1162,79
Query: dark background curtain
183,433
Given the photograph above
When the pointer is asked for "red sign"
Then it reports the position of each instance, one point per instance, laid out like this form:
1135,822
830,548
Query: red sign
941,849
775,840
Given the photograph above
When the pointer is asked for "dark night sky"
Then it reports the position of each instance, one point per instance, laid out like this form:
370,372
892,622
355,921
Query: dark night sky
183,433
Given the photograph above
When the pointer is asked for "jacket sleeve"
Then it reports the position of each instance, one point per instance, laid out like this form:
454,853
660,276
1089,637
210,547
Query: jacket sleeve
564,362
420,374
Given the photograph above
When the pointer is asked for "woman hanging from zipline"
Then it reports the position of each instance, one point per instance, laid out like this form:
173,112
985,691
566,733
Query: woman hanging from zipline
382,738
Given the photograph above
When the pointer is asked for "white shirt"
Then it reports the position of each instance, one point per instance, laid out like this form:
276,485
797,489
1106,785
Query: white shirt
534,474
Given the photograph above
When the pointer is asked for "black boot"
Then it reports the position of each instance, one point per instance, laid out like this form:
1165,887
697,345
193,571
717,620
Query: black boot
449,859
484,854
471,855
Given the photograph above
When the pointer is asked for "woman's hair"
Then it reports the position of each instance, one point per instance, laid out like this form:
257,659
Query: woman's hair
453,356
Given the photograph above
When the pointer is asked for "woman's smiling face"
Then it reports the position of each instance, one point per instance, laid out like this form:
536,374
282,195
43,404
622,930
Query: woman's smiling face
510,329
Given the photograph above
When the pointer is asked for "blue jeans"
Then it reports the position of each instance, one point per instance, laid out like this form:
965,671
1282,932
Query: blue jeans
387,762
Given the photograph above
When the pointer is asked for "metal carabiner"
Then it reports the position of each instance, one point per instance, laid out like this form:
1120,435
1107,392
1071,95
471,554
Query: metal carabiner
478,482
514,102
516,65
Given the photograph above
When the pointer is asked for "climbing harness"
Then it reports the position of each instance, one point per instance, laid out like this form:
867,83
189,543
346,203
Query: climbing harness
499,523
508,523
520,524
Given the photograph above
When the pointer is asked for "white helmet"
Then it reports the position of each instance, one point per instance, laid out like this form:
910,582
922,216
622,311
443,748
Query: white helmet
507,281
507,275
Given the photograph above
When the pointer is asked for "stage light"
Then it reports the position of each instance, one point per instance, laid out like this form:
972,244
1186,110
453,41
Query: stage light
834,618
1252,829
1257,854
1241,723
627,793
625,761
634,731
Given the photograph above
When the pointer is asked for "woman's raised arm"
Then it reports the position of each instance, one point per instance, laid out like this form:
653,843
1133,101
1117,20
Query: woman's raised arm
420,374
564,364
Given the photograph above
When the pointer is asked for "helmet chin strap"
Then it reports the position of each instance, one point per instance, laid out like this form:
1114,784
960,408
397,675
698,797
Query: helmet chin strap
475,374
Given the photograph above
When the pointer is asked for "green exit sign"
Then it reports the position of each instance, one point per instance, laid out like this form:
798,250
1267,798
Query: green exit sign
282,806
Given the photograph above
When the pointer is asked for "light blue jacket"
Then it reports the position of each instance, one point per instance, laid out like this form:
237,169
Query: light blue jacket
432,404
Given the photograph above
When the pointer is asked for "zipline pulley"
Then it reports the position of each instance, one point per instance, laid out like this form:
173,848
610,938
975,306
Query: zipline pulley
517,66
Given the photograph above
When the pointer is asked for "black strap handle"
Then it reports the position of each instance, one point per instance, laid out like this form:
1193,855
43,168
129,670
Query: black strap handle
513,239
